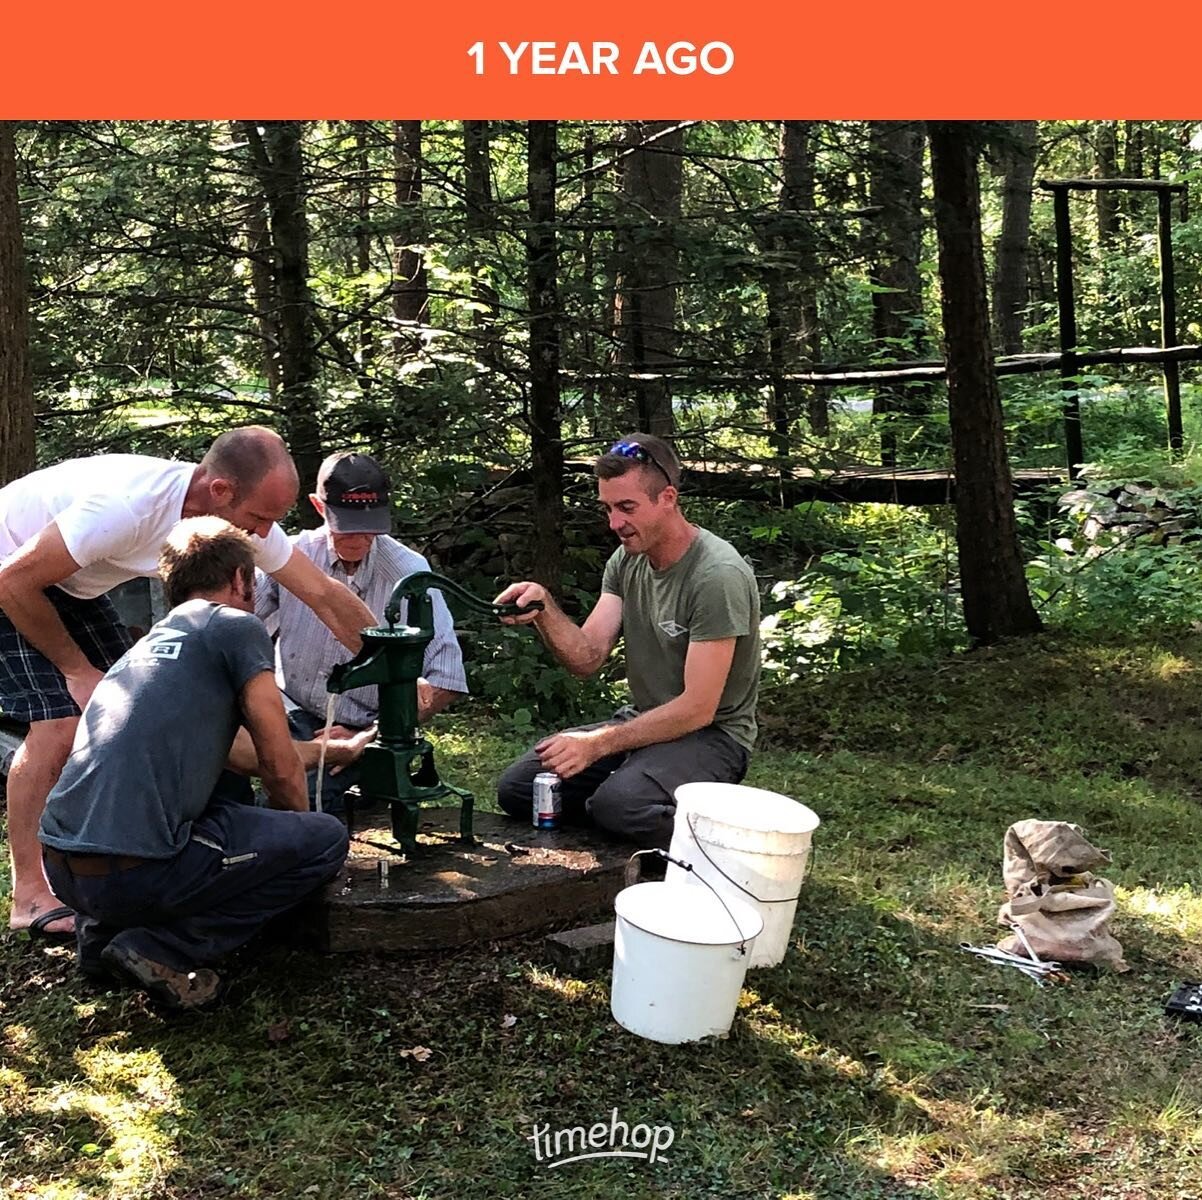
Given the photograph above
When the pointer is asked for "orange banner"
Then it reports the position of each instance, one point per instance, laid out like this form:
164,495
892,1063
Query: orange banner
553,59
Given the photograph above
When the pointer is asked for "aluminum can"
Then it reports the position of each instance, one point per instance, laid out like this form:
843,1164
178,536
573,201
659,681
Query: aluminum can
548,806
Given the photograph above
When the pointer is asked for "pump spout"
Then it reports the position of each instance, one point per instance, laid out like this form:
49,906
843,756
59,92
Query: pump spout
369,666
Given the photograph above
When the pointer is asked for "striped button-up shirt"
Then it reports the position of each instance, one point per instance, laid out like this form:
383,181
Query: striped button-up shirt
306,651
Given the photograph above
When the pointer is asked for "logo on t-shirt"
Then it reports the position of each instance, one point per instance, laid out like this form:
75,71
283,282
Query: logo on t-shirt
672,629
164,643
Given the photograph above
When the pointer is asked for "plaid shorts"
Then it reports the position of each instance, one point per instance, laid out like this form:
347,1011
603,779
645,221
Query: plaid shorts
32,688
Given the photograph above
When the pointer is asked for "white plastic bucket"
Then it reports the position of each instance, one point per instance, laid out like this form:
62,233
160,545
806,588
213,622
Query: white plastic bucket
750,845
679,961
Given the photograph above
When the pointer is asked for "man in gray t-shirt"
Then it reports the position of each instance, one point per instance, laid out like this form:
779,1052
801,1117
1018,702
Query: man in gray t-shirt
165,874
687,606
156,734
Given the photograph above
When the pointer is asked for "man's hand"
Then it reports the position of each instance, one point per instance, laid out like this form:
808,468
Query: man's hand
345,746
81,684
522,594
581,649
335,733
569,753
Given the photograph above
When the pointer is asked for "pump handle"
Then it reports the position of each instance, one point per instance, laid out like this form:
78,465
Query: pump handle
415,586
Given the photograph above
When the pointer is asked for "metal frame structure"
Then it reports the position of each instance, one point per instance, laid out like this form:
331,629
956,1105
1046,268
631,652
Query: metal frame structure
1070,360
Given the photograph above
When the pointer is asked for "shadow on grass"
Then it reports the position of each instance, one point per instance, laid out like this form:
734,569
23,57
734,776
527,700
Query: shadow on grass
1049,706
304,1076
862,1047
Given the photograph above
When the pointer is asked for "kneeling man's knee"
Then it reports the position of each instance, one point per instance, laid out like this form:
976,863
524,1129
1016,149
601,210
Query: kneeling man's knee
514,790
634,807
327,839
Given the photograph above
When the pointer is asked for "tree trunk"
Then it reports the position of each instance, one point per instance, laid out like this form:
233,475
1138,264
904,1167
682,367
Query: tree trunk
1133,150
1131,203
410,289
546,444
651,182
16,377
793,336
597,296
278,164
367,341
262,282
1107,168
478,200
1017,147
895,190
262,277
996,601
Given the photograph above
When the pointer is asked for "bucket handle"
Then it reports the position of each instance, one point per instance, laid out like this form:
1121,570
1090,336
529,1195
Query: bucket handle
631,876
732,882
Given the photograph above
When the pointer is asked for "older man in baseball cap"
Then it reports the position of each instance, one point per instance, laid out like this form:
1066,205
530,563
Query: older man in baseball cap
354,546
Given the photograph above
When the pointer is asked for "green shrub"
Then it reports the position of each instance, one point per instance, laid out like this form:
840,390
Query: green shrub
1114,582
851,608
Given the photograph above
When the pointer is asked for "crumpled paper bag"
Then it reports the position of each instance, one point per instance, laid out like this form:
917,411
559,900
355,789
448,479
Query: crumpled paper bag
1061,906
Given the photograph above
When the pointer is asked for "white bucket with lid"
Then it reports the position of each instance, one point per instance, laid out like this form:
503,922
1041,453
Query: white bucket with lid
680,955
750,845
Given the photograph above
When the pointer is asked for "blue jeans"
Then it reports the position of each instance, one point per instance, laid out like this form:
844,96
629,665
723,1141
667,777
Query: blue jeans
242,866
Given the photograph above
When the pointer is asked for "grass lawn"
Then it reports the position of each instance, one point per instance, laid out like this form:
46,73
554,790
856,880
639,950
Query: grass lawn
878,1061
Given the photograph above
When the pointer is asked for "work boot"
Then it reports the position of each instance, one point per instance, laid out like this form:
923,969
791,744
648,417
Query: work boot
183,990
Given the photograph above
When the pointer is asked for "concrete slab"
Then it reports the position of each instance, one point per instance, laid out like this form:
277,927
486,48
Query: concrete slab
513,880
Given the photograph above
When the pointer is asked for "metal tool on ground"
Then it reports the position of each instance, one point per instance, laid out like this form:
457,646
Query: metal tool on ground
398,768
1022,937
1034,969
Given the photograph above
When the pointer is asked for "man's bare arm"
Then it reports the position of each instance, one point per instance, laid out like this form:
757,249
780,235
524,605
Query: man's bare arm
580,648
40,563
279,764
334,603
706,668
340,751
432,699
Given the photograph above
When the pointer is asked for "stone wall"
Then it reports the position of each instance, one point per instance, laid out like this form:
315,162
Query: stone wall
1125,511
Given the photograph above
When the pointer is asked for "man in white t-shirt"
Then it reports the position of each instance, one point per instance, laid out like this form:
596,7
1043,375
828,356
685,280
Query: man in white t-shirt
70,533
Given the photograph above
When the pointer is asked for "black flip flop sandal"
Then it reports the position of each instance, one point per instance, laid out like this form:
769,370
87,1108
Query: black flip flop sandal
37,928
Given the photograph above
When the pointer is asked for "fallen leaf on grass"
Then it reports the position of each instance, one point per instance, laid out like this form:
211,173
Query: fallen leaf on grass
279,1031
420,1053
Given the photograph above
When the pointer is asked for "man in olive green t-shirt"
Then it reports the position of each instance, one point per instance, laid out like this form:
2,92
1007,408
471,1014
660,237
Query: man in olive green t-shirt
687,606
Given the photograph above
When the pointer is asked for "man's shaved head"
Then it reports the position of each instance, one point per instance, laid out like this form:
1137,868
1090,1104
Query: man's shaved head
246,456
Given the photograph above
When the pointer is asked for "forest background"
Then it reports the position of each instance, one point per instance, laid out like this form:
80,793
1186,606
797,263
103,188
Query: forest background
485,305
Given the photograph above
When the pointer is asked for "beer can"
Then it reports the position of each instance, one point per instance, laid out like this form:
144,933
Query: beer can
548,807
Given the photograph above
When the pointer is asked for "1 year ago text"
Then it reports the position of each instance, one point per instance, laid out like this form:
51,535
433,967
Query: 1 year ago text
600,58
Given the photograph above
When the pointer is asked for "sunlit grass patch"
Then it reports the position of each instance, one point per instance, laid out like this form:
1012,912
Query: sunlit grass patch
109,1130
1176,909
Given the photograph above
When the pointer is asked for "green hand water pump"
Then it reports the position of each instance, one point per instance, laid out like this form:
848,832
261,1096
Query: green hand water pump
398,767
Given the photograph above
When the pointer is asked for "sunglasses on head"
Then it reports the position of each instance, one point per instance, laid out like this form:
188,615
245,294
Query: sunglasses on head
640,454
